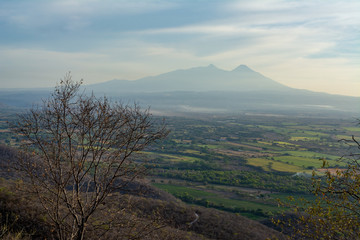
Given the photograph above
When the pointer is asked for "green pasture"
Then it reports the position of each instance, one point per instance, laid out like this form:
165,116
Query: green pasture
177,158
305,162
322,126
299,161
220,200
234,203
199,126
278,145
315,133
265,145
287,144
352,129
314,155
290,123
296,161
308,134
191,151
175,189
300,127
304,138
275,165
310,128
210,146
281,130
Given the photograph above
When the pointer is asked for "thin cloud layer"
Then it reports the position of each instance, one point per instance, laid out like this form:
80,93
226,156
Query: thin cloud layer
305,44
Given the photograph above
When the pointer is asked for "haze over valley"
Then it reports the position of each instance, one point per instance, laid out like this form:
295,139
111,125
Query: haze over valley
179,120
208,89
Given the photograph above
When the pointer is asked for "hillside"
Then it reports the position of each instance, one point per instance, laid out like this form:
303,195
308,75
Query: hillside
143,210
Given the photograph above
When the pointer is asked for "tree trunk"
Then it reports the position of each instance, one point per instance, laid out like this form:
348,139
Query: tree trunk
80,231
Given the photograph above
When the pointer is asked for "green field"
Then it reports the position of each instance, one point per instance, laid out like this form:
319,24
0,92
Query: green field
232,162
251,209
176,189
304,138
271,165
177,158
299,161
213,152
313,155
352,129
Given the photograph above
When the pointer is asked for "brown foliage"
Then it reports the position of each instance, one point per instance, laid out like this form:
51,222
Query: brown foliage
21,216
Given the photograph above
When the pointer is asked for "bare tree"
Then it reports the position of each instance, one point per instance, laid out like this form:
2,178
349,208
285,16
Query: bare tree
78,149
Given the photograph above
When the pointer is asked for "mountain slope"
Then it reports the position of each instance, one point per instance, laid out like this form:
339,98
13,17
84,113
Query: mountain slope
200,79
208,89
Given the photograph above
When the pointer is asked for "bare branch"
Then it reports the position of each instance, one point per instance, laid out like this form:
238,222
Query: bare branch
77,149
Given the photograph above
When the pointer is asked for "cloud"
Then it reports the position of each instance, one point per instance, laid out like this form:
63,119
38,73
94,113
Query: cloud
102,40
213,40
307,29
63,18
42,68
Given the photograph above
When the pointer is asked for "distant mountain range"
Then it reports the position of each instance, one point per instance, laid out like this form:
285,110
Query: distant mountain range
211,90
199,79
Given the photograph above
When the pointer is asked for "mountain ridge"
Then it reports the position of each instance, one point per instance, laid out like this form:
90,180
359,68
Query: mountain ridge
208,89
198,79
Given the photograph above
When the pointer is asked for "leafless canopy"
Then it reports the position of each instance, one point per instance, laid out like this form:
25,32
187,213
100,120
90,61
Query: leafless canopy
78,149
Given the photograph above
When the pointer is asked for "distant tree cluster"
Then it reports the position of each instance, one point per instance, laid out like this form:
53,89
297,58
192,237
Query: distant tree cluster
261,180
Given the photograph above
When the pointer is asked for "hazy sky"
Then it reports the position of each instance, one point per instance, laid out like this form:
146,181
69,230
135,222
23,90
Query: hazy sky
309,44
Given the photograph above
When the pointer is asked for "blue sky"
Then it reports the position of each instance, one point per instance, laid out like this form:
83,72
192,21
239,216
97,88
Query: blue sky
308,44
